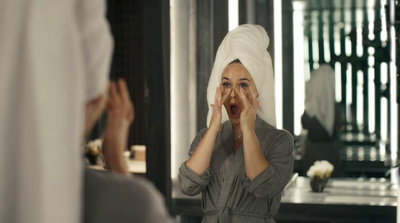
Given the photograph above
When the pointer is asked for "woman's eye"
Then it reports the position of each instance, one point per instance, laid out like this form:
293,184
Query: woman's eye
243,85
226,85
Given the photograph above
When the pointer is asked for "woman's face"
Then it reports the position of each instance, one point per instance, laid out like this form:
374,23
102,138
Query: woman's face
234,78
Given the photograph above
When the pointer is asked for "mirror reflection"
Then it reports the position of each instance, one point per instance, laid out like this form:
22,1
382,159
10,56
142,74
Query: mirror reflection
353,39
333,70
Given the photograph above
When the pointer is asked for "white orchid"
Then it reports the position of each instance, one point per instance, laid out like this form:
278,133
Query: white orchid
321,169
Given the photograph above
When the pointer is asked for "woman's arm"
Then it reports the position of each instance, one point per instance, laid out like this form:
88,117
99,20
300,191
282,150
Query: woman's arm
279,153
120,116
200,160
254,159
190,182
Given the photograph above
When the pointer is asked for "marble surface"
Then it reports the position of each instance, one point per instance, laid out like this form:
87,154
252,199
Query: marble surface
345,200
343,191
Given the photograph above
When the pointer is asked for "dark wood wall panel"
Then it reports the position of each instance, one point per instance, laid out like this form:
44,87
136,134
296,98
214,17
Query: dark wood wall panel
156,36
141,56
126,22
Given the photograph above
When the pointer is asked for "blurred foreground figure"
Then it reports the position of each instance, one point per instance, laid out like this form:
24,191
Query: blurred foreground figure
49,50
54,64
116,196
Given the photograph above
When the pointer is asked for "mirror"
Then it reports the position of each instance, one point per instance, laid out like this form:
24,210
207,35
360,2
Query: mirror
353,37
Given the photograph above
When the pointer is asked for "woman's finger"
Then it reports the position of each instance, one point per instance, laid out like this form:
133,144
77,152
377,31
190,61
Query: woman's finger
253,96
216,96
123,90
219,98
243,97
113,91
226,95
131,113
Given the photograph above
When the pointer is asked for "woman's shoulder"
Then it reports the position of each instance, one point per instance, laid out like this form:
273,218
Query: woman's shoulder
268,132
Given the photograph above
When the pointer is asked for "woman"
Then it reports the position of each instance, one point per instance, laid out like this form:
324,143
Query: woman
319,114
242,165
323,118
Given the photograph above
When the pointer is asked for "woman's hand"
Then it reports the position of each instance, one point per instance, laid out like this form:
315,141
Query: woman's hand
249,113
220,97
119,104
200,159
120,116
254,159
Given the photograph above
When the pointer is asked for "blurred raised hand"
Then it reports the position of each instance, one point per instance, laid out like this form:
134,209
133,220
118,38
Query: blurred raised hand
121,114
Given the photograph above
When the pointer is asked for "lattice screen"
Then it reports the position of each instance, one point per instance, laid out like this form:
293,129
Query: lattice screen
352,37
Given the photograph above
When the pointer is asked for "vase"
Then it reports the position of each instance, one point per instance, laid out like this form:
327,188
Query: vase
318,184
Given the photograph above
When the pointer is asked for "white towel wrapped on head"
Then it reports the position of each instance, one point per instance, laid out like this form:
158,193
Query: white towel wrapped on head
249,44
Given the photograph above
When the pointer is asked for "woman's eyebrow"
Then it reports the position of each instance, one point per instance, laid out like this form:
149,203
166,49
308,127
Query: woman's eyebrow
244,79
225,78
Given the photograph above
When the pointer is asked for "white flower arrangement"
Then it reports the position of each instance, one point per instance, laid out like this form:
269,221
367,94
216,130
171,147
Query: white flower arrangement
321,169
93,147
93,151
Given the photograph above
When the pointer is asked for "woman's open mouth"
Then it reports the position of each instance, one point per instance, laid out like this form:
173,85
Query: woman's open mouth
235,111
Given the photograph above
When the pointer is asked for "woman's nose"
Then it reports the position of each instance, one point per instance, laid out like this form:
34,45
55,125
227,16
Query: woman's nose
233,92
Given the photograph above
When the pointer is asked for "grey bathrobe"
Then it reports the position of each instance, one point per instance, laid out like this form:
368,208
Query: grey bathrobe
228,195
